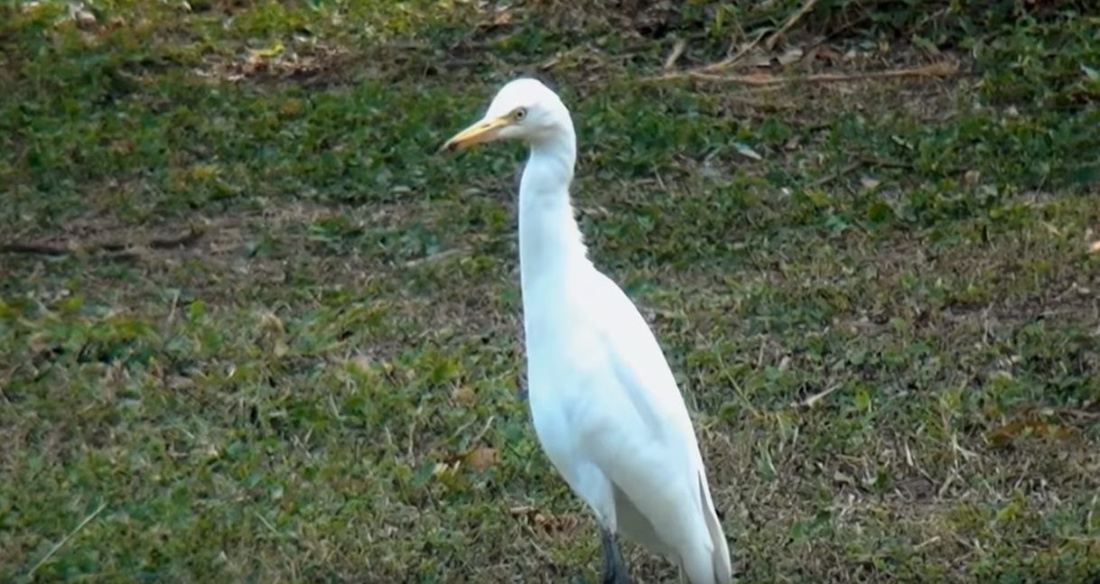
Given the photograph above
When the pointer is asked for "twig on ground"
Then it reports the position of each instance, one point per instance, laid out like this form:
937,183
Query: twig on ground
191,237
435,257
34,248
797,16
64,540
677,52
817,397
873,162
906,165
731,60
838,174
484,429
113,248
942,69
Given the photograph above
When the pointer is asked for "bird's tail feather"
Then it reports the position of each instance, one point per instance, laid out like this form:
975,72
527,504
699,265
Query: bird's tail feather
723,572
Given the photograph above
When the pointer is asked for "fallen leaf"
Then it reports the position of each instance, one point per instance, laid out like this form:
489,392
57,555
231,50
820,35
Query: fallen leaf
179,382
481,458
790,56
361,362
502,17
268,320
84,18
828,54
1035,426
843,478
268,52
745,150
869,183
901,142
464,395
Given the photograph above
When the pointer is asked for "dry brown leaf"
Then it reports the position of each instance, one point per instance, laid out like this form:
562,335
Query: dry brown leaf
85,19
271,322
464,395
481,458
179,382
869,183
1007,433
502,17
828,54
361,362
844,478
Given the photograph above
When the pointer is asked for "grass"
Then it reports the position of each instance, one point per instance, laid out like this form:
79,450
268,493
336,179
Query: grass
324,382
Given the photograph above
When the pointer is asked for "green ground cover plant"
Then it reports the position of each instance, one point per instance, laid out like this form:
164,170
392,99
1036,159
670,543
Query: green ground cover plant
253,328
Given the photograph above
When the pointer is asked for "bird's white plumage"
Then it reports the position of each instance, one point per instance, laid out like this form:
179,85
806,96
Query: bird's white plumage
605,405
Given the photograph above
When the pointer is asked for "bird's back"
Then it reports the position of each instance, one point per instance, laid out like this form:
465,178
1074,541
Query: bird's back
630,417
645,373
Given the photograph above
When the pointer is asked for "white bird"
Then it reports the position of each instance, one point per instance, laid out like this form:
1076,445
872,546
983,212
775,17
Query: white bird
604,403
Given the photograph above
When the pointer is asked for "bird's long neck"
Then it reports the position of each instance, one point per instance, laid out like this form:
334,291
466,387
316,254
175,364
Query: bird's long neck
550,241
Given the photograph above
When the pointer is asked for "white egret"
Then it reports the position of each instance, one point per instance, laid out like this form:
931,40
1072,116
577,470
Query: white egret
604,403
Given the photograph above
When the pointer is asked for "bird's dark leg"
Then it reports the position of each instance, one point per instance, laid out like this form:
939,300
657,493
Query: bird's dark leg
614,569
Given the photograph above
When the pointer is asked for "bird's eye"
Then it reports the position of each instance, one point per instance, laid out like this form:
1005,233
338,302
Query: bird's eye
519,114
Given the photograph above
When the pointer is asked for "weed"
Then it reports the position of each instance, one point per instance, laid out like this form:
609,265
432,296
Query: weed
876,294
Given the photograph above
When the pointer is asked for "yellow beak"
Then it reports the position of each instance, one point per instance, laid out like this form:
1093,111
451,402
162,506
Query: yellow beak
482,131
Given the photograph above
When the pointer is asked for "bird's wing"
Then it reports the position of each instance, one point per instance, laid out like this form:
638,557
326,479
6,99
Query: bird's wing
657,463
641,368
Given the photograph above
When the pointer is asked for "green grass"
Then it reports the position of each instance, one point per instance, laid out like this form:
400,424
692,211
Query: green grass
326,385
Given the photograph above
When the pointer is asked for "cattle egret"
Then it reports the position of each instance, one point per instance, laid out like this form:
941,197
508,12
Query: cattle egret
605,405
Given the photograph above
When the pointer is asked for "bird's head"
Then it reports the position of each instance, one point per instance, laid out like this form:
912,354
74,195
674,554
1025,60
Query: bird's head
524,109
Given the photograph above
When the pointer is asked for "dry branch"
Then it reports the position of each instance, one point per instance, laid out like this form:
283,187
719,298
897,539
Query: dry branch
677,52
866,162
942,69
797,16
53,550
813,400
728,62
110,247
